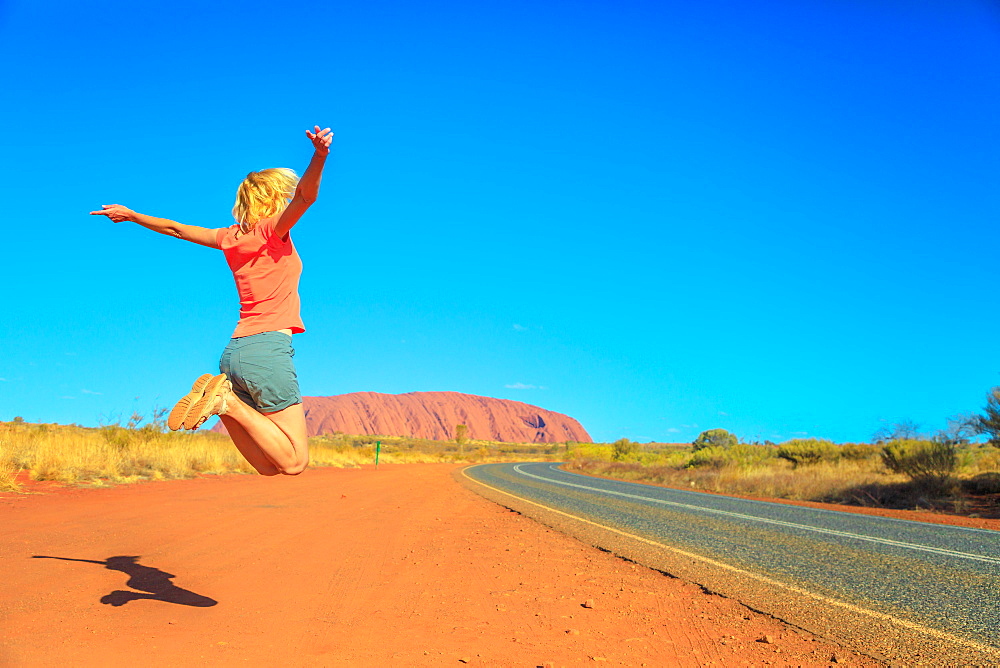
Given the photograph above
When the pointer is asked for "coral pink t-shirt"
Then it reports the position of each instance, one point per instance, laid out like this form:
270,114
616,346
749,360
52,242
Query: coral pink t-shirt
266,269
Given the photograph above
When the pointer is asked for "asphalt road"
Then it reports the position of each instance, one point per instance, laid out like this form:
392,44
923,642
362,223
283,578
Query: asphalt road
942,581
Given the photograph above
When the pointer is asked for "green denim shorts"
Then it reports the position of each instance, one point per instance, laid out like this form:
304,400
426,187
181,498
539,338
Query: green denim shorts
261,370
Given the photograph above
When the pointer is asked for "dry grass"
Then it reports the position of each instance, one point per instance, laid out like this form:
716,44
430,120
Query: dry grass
113,454
344,450
8,476
751,470
124,454
777,478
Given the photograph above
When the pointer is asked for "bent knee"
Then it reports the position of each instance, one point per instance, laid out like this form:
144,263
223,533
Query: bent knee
295,469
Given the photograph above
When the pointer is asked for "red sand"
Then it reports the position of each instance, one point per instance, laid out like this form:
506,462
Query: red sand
399,566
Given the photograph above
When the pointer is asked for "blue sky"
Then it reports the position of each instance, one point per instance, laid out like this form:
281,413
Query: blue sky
656,217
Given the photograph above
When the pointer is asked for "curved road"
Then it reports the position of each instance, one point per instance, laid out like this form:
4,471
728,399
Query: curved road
936,581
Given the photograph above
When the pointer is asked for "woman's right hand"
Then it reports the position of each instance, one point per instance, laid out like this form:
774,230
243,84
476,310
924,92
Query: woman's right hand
116,212
321,139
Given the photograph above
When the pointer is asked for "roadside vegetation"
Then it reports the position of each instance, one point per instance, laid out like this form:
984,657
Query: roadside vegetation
138,449
948,471
955,470
899,474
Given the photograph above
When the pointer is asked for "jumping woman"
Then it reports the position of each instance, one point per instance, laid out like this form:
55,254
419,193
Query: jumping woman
257,392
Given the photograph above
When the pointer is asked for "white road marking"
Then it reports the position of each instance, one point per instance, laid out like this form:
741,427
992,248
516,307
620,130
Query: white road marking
764,520
934,633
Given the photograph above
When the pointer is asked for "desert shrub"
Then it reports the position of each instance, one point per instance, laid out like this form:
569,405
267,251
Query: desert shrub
904,430
987,460
120,437
673,459
740,455
714,438
920,460
857,452
745,455
960,429
910,494
622,449
596,451
805,451
8,472
136,431
989,422
984,483
713,456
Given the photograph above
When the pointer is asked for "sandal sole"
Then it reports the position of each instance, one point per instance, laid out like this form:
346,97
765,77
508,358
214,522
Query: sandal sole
202,408
180,410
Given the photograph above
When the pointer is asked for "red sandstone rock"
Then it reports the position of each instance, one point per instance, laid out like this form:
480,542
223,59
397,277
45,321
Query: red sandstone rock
434,415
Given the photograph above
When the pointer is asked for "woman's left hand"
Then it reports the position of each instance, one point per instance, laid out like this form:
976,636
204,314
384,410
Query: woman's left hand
321,139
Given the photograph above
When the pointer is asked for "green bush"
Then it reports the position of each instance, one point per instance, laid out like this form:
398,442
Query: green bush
622,449
672,459
587,451
857,452
920,460
805,451
714,438
745,455
714,456
741,455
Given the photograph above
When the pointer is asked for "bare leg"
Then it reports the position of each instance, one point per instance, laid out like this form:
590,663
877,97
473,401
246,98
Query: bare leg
292,422
279,439
248,448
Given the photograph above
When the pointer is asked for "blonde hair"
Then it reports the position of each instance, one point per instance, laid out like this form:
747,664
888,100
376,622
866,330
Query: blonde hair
263,194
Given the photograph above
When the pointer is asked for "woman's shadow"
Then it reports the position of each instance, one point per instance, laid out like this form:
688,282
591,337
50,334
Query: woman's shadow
146,579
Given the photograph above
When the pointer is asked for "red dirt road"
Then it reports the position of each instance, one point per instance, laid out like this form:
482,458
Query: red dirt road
400,566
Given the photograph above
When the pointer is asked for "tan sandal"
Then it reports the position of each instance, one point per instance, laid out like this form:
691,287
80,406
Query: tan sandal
212,402
176,418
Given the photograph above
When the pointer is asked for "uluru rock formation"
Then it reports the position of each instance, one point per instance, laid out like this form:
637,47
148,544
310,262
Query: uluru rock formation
435,415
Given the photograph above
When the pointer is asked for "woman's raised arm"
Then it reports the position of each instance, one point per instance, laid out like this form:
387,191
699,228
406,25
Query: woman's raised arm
308,189
199,235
